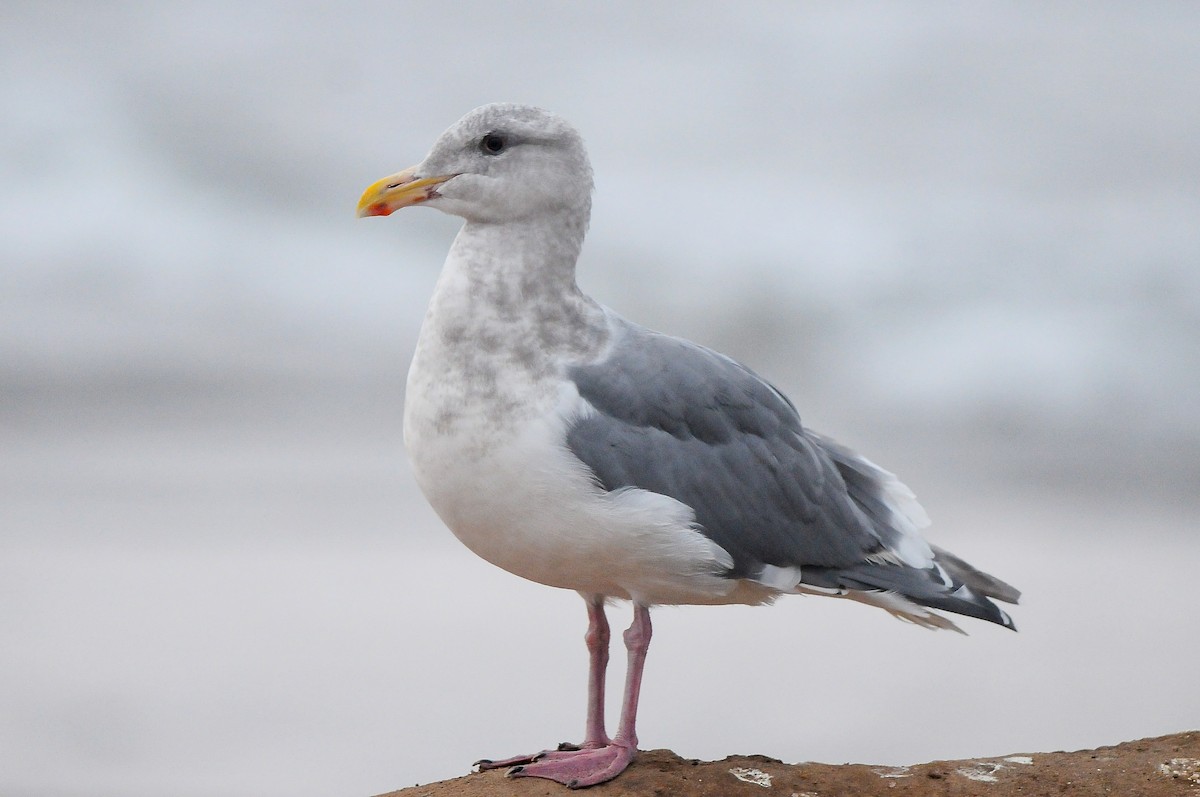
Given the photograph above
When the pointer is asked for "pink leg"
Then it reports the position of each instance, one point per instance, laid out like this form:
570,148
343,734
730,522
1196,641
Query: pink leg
591,765
595,736
637,641
597,645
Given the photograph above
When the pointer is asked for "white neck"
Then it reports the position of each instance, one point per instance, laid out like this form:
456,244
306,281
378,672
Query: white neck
505,321
531,259
512,285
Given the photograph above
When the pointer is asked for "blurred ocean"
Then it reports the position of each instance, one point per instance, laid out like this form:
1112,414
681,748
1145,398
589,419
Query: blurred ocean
964,238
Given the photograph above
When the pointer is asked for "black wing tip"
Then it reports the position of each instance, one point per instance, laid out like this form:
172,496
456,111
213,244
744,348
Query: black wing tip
978,581
975,606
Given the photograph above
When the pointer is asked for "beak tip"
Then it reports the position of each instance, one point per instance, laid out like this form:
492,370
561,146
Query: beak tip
377,209
401,190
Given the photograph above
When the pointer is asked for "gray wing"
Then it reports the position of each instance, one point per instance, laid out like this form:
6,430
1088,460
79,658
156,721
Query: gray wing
681,420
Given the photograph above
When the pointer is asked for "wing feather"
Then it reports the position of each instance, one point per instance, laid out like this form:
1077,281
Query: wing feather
678,419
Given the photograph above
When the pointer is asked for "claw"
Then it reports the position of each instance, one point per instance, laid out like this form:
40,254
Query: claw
488,763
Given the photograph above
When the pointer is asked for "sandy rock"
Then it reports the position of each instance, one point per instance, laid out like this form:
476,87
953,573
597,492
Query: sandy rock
1167,766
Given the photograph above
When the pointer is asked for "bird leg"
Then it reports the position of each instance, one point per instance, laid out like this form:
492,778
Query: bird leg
599,762
637,641
595,736
597,644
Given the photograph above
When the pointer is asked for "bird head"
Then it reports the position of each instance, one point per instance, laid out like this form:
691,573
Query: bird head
498,163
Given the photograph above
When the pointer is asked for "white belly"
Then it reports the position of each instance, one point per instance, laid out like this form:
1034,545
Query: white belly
495,467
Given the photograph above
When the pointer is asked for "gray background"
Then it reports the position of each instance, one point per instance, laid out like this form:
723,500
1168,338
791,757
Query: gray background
963,237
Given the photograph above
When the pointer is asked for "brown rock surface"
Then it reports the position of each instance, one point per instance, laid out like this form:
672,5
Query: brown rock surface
1166,766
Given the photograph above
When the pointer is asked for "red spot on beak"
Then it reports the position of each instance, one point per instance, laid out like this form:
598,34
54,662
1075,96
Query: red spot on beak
379,209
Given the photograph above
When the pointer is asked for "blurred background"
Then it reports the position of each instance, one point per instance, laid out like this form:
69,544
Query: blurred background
965,238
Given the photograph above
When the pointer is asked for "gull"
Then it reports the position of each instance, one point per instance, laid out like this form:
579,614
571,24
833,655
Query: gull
579,450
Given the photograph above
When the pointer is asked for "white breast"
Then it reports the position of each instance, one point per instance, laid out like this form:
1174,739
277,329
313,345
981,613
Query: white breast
485,426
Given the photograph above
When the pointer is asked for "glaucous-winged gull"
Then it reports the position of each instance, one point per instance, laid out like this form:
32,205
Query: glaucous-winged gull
574,448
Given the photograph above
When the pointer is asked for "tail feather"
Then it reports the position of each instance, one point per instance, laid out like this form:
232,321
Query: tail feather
976,579
907,575
934,588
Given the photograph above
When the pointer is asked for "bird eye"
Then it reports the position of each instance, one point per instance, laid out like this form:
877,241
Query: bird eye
492,144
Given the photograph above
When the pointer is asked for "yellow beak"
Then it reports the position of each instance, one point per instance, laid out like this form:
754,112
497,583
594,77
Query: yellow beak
397,191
